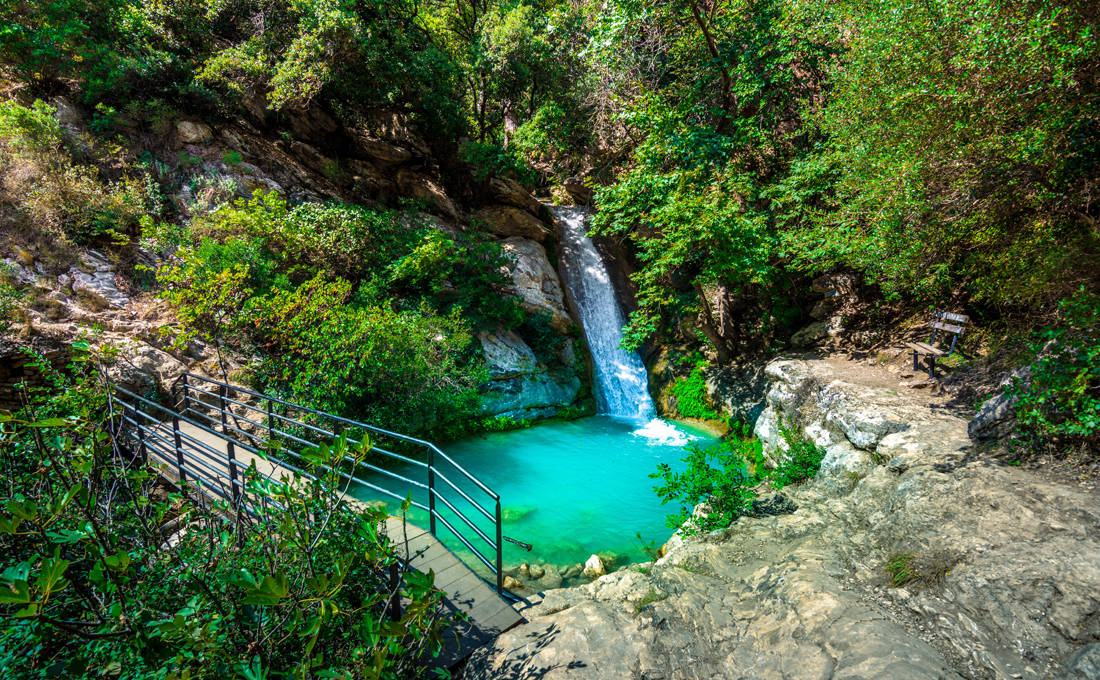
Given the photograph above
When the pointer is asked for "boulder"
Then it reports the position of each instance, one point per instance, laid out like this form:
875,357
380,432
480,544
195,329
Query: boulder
512,583
581,194
814,334
521,387
97,290
145,370
594,567
506,220
380,150
737,390
192,132
535,571
417,186
535,280
996,419
510,192
551,579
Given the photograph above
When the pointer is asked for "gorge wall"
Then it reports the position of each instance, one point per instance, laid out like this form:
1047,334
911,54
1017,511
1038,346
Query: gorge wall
1005,564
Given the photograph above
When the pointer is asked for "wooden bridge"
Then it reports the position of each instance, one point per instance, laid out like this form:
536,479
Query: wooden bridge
217,431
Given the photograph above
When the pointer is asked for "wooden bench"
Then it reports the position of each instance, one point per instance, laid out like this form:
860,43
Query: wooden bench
940,323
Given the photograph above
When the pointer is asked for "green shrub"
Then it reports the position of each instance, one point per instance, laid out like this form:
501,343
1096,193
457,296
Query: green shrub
1062,400
93,585
718,475
799,462
488,160
57,198
691,396
724,474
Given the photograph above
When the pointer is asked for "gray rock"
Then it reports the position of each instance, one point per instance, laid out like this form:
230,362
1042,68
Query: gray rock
507,220
520,385
771,505
737,390
191,132
1085,664
996,419
536,281
1010,568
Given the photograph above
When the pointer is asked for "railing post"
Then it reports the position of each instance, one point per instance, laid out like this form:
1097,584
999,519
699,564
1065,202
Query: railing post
142,450
230,450
431,490
395,590
270,420
500,552
179,446
186,396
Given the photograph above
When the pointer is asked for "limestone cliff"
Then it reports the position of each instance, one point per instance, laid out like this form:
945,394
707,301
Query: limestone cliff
1005,564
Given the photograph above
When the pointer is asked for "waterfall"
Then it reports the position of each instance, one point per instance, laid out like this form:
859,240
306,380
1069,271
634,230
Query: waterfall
621,380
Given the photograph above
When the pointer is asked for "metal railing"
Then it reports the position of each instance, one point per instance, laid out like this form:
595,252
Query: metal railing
212,422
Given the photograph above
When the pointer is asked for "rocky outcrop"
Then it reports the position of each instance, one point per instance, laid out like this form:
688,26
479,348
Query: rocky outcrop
191,132
737,390
1005,566
996,419
536,281
520,386
506,220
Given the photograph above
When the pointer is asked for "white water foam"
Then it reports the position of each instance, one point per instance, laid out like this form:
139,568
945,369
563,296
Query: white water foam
663,433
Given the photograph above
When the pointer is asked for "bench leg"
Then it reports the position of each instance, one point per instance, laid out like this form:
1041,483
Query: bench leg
931,366
915,367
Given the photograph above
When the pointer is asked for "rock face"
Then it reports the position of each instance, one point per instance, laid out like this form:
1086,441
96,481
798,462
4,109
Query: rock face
737,390
507,220
1008,568
536,281
996,419
190,132
520,386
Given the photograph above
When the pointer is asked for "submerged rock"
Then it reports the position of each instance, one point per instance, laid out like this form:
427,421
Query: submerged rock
594,567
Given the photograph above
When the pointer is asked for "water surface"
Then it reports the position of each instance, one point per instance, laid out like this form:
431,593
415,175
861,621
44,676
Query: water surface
569,488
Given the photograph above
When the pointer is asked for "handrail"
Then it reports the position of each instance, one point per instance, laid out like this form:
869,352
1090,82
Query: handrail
206,405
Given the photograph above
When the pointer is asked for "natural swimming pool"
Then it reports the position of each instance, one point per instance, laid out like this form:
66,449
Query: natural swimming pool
570,488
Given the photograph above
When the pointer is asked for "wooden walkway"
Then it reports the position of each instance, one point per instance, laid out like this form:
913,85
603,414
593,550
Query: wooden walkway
487,614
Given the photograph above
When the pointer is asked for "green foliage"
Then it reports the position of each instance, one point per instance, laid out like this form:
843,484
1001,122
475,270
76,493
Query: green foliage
10,298
351,310
718,475
95,581
723,477
800,461
63,200
489,160
900,569
1061,402
691,396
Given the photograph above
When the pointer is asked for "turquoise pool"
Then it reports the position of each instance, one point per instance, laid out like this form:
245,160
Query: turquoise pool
568,488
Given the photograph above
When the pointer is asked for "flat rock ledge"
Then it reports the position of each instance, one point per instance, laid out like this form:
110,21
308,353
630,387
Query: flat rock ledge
1009,564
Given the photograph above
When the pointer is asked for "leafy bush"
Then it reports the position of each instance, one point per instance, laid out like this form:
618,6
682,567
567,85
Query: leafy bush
488,160
691,396
799,462
108,572
60,199
718,475
723,476
1062,400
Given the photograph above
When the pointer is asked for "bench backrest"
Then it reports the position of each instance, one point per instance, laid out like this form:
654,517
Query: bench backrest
940,321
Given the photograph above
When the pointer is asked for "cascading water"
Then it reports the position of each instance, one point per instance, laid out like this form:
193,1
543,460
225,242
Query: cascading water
621,380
